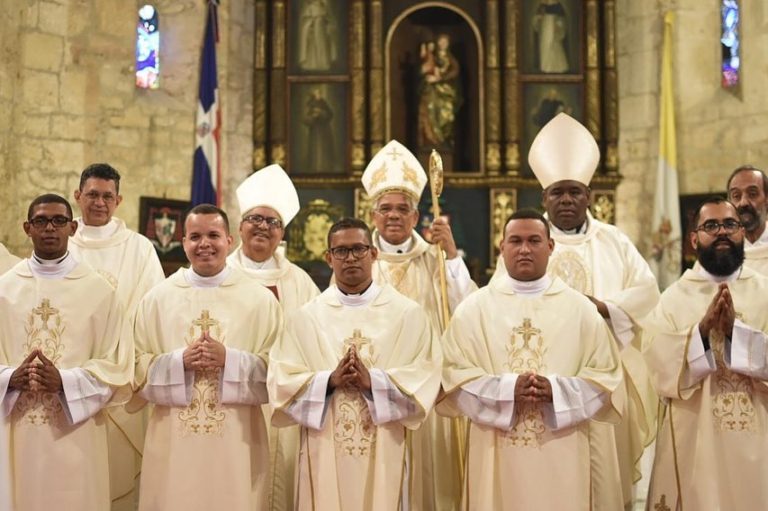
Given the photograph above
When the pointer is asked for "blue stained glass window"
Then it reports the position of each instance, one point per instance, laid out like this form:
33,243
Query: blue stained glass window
148,49
730,43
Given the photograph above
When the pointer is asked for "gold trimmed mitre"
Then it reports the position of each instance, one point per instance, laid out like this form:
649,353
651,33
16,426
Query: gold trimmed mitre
394,169
564,150
270,187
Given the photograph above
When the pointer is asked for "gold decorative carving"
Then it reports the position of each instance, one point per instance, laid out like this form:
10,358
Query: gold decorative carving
278,34
357,36
510,36
593,102
375,26
260,35
358,105
593,34
511,105
492,33
493,100
259,106
609,30
493,157
278,154
307,233
259,157
358,157
363,207
603,206
277,118
512,158
503,203
612,159
203,415
377,119
611,105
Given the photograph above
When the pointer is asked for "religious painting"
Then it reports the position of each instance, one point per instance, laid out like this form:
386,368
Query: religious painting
318,37
162,222
319,128
551,37
543,101
434,87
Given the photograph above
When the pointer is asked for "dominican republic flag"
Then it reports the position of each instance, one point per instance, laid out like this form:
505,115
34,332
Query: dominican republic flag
206,174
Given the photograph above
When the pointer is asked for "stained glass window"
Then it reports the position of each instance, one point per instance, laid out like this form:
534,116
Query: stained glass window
730,43
148,49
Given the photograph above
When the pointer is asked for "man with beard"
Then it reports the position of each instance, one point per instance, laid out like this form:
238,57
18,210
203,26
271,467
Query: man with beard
706,353
747,190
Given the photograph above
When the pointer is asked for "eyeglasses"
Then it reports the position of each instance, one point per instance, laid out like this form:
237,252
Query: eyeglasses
95,196
272,223
341,253
712,227
400,210
41,222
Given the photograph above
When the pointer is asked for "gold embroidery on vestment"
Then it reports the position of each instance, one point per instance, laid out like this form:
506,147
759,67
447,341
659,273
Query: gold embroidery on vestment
34,407
363,346
733,408
661,505
525,354
572,270
354,432
203,415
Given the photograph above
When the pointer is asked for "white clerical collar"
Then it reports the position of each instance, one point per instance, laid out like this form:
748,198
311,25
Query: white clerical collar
360,299
389,248
51,268
532,288
97,232
196,280
268,264
582,229
717,278
759,242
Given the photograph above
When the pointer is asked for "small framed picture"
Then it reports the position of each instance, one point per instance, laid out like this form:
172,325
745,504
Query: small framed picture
162,222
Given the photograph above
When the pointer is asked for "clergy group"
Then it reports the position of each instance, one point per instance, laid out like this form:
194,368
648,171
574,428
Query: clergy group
236,384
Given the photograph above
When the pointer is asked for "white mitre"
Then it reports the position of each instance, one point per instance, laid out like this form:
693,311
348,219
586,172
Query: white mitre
564,150
270,187
394,169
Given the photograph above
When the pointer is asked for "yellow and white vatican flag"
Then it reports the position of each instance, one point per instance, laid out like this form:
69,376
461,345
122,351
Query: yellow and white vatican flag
666,246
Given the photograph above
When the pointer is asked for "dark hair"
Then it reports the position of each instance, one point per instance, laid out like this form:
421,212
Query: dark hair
48,198
748,168
206,209
100,171
527,214
715,199
349,223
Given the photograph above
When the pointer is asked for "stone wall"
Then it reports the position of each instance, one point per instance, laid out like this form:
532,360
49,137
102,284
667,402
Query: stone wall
67,98
716,129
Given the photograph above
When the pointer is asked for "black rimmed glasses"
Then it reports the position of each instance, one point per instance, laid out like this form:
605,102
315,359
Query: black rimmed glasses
41,222
712,227
341,253
272,222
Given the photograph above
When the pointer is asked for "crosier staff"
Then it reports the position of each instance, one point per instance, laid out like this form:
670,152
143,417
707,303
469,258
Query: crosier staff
436,187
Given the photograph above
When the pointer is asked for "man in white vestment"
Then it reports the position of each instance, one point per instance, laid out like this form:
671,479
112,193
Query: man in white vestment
531,363
357,366
202,339
395,180
600,261
268,202
706,351
7,260
130,264
747,190
64,356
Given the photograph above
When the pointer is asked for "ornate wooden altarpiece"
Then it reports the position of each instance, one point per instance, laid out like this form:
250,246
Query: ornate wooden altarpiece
334,80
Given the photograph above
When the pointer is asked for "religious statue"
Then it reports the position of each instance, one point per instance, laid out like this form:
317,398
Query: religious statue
550,28
549,106
317,42
440,95
319,142
315,231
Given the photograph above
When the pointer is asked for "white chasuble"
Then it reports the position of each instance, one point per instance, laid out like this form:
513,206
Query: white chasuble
7,260
353,456
713,433
58,454
293,288
129,262
206,445
436,446
756,257
518,451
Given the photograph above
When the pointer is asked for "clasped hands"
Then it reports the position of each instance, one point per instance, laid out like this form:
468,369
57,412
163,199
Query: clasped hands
350,373
205,353
720,314
36,373
532,388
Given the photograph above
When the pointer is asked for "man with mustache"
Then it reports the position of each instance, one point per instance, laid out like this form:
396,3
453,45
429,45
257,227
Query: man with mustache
394,180
600,261
707,341
268,202
747,190
357,367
